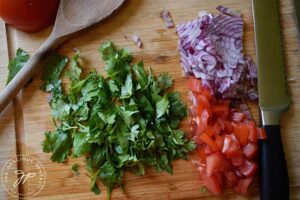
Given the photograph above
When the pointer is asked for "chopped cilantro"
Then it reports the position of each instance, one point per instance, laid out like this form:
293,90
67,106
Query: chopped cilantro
124,122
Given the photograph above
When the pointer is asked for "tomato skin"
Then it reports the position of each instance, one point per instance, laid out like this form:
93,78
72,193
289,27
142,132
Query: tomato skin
29,15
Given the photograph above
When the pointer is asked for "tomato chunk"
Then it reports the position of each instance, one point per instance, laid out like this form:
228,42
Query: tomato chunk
261,134
249,168
207,140
216,163
212,184
194,84
243,184
250,150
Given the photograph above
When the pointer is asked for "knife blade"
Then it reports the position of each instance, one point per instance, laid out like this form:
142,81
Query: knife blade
297,14
273,98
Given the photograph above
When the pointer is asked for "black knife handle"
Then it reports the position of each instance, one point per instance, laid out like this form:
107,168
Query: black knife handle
274,181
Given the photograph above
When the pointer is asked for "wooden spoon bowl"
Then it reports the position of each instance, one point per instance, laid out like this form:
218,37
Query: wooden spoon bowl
72,16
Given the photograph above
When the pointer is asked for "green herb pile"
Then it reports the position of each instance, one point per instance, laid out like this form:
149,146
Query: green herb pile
124,122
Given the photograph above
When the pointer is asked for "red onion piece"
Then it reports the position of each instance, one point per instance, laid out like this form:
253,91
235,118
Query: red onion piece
165,15
137,40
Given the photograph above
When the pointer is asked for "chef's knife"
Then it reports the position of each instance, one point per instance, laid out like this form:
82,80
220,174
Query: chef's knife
297,14
273,99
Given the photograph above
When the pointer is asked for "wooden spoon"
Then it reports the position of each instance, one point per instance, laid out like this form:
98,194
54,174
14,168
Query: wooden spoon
72,16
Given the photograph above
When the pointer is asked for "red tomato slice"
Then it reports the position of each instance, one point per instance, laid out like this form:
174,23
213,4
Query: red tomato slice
243,184
194,84
250,150
249,168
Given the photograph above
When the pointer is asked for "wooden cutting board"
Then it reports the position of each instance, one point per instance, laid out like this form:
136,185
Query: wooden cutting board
32,113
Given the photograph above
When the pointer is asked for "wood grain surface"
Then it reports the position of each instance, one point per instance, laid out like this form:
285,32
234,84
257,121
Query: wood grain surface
140,17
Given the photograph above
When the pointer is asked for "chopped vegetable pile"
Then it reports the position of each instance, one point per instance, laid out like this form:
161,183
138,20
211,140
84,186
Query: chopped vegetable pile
211,49
226,141
124,122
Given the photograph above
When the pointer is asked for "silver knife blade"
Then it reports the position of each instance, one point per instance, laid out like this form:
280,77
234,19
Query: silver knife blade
272,88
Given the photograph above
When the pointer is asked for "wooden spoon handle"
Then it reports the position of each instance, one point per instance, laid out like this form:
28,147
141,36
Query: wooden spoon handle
24,75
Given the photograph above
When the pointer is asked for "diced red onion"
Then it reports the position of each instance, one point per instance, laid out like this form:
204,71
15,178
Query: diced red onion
228,11
165,15
137,40
211,49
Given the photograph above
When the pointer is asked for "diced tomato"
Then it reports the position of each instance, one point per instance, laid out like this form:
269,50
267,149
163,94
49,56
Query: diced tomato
202,121
226,142
207,94
244,135
203,101
210,131
252,131
231,178
219,141
193,127
237,158
241,132
212,184
249,168
216,162
193,111
207,140
208,150
221,122
220,110
238,116
202,155
230,145
194,84
243,184
250,150
217,128
228,127
261,133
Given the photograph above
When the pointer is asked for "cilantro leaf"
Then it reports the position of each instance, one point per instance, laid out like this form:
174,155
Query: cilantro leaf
75,71
16,64
162,107
53,69
59,143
